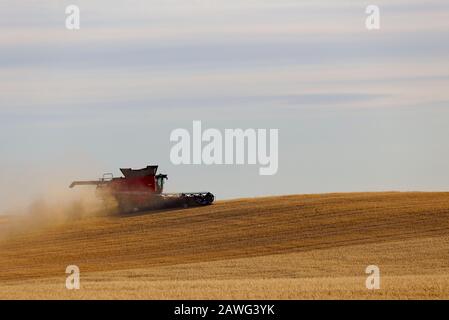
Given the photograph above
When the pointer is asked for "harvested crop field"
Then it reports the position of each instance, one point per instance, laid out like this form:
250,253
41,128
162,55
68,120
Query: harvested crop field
288,247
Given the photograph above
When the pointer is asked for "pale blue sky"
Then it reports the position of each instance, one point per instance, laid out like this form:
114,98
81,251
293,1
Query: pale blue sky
357,110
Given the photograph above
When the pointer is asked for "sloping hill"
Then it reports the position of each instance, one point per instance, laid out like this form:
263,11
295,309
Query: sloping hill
307,246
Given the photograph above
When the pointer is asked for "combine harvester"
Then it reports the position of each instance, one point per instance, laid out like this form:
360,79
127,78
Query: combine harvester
143,189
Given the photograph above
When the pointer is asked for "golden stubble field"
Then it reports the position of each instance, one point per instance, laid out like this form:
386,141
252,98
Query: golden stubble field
289,247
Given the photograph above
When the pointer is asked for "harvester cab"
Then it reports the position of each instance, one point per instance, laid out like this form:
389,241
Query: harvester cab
160,180
143,189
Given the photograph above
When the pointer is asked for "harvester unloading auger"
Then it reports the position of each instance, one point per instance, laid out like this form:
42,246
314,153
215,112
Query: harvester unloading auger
143,189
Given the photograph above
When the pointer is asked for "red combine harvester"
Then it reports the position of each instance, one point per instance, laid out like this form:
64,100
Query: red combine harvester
143,189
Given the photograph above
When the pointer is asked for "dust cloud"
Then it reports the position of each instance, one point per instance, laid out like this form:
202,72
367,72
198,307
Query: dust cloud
54,206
